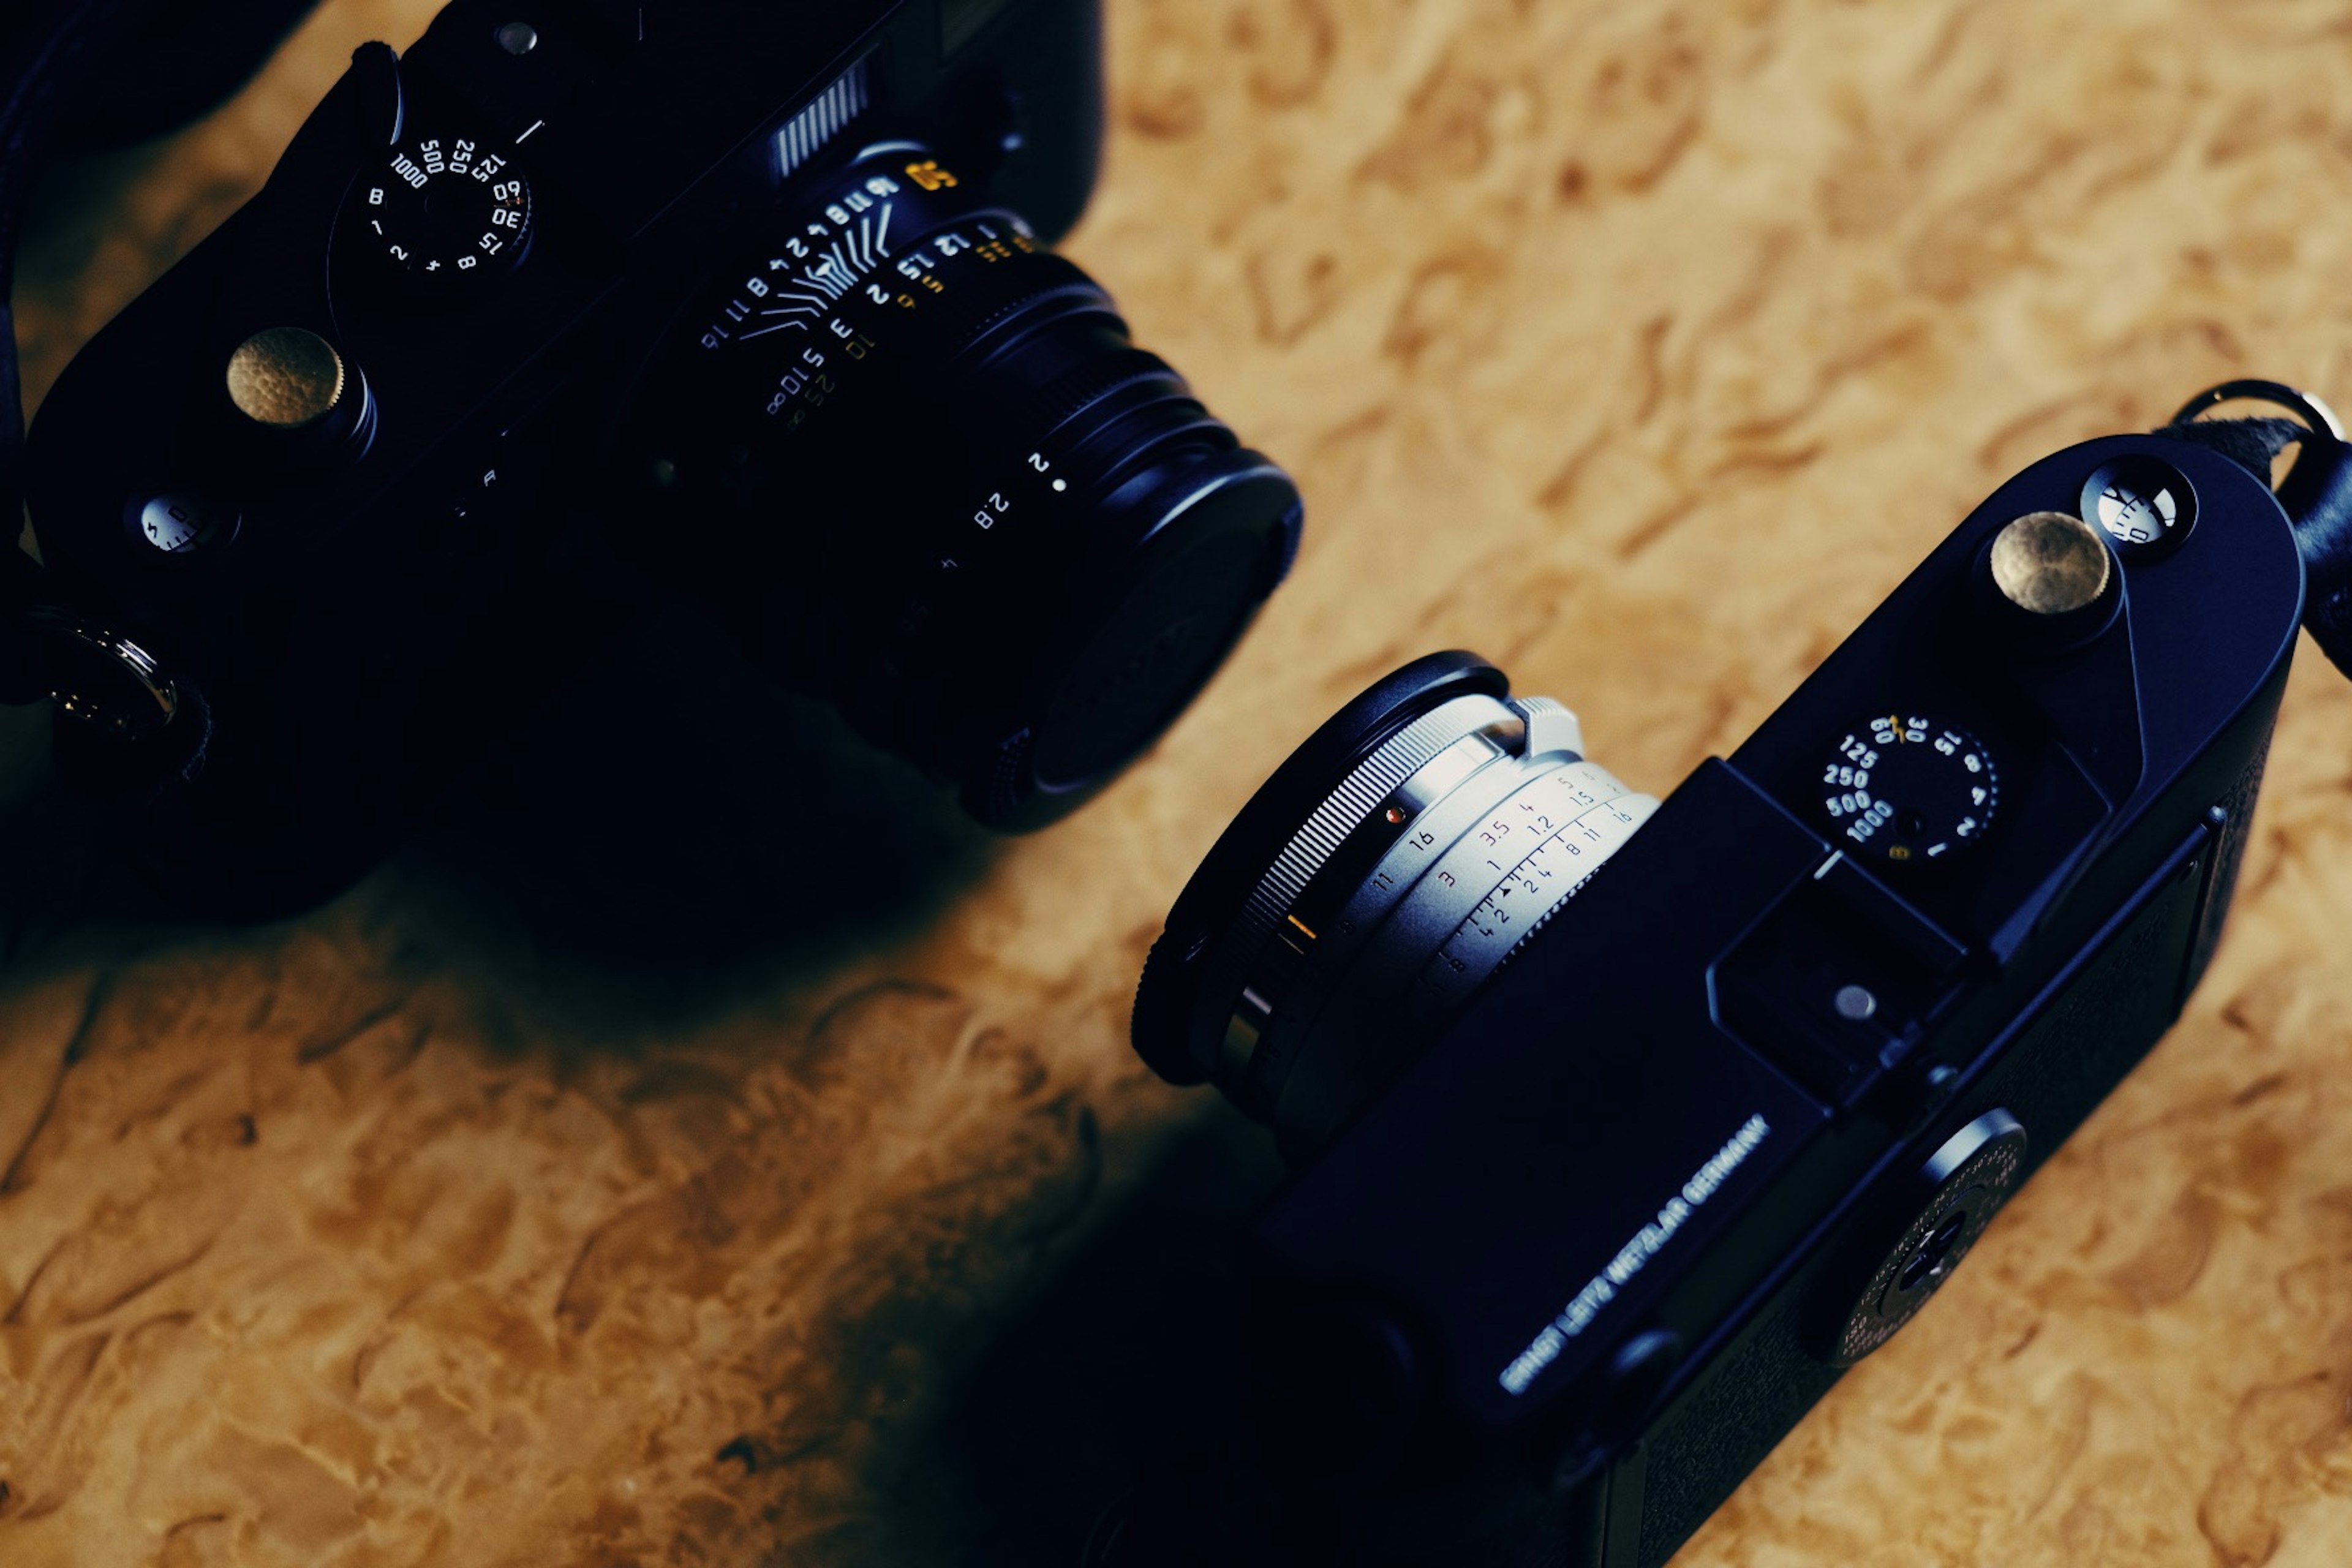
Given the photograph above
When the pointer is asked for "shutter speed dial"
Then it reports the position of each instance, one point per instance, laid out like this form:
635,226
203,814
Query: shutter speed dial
1904,788
446,214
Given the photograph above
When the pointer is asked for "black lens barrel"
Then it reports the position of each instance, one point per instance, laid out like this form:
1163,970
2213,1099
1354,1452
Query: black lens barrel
1008,542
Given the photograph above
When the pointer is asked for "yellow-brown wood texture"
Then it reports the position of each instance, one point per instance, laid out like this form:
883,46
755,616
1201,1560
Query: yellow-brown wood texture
1642,348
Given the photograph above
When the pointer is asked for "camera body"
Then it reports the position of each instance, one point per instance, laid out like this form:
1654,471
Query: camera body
549,319
1552,1284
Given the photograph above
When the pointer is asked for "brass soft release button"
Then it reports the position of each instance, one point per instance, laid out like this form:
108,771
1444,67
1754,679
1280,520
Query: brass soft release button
286,378
2050,562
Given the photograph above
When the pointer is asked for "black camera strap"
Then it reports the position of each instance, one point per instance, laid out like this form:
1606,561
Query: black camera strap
2316,493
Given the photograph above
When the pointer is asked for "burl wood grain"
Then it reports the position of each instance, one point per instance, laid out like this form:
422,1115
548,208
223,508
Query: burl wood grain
670,1194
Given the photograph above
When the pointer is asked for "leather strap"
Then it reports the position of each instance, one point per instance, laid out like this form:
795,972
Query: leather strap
2317,496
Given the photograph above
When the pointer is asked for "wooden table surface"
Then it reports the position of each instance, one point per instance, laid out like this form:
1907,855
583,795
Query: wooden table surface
735,1187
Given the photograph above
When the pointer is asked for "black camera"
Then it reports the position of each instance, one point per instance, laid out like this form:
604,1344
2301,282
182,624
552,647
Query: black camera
1604,1174
575,309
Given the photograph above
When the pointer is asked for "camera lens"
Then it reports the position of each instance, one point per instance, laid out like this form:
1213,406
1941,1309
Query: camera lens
952,493
1393,863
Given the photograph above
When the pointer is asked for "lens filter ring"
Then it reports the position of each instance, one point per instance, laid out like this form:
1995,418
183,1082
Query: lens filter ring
1261,950
1370,888
1169,998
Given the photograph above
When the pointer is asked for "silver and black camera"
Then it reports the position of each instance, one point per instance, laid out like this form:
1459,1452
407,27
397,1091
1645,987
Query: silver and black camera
1622,1126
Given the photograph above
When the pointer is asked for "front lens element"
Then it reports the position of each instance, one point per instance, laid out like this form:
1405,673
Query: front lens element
1374,885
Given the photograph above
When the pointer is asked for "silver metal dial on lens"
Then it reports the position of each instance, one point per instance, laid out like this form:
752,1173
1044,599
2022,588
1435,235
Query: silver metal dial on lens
1415,879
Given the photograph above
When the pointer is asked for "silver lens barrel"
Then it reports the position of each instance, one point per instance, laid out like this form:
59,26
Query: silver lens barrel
1414,878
